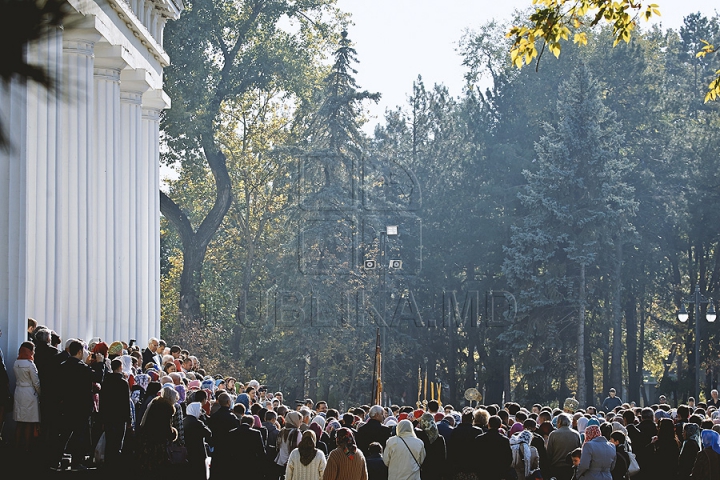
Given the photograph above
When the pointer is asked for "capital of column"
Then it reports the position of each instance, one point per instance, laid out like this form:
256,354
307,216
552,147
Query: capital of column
134,98
151,114
109,74
79,47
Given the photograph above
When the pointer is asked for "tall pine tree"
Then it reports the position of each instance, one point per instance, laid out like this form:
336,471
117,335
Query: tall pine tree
577,206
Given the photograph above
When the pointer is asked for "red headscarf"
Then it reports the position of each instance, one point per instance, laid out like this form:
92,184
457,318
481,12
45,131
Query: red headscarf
593,431
25,354
101,347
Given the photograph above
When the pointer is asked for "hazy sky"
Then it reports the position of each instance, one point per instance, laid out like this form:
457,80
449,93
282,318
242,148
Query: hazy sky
398,39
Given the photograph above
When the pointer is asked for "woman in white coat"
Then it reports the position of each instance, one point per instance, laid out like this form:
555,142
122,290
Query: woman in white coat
404,453
306,462
27,393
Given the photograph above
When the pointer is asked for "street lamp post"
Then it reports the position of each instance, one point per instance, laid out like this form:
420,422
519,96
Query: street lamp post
697,299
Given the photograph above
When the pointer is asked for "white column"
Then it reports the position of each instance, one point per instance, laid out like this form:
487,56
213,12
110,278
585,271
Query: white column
13,319
154,102
42,143
108,64
76,117
126,196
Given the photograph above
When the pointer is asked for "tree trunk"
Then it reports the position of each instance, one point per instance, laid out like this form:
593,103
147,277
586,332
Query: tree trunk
616,357
195,242
634,380
581,383
589,373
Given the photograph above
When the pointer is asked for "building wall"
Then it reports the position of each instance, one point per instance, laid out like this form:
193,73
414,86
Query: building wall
79,185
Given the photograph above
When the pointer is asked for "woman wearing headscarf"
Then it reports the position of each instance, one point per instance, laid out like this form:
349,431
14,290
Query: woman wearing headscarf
27,396
667,451
582,423
156,433
172,396
435,465
404,453
707,464
689,451
288,439
322,446
196,434
346,461
525,456
598,456
306,462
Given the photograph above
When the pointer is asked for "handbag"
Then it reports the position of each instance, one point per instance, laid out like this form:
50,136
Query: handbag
176,454
634,467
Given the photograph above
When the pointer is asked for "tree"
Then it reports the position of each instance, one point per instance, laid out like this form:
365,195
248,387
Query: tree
221,51
554,20
577,202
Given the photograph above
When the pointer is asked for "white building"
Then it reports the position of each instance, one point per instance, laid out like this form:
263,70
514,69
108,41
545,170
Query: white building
79,187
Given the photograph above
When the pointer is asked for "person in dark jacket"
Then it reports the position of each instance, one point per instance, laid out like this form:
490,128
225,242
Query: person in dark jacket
114,412
223,420
539,443
77,402
435,465
373,430
622,459
689,451
708,460
151,392
242,446
47,361
493,453
641,436
376,468
196,436
667,451
461,448
148,355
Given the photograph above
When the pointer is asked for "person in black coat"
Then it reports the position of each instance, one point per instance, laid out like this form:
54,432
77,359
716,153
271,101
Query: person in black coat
243,446
539,443
622,459
461,447
114,412
47,361
373,431
689,451
376,468
76,396
434,467
196,436
148,355
641,436
493,453
223,420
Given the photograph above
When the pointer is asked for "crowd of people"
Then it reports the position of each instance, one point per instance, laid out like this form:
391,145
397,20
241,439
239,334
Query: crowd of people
111,405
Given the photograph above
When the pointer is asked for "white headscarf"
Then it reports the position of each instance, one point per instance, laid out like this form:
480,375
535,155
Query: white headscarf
320,421
518,441
582,424
194,409
405,429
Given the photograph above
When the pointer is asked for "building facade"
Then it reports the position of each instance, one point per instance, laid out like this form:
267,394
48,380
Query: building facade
80,209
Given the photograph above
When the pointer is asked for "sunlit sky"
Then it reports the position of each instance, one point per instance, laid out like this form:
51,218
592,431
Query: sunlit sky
398,39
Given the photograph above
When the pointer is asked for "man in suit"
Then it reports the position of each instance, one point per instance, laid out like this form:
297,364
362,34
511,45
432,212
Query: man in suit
461,448
76,395
494,456
242,446
222,421
114,412
148,355
373,431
